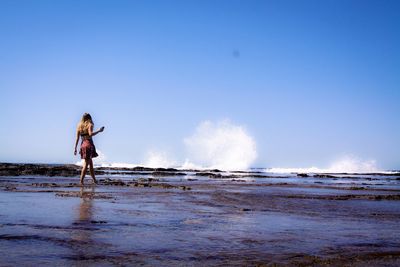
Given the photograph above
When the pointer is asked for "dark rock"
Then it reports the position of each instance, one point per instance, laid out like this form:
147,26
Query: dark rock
184,187
147,180
303,175
209,174
10,188
167,173
141,169
45,185
166,170
16,169
387,197
356,188
97,222
263,176
109,181
245,209
238,180
215,170
84,195
323,176
158,185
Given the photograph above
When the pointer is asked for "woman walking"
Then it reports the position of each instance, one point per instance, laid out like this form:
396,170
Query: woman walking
87,150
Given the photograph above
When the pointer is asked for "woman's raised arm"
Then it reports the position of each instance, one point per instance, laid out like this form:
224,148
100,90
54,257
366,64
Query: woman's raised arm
91,133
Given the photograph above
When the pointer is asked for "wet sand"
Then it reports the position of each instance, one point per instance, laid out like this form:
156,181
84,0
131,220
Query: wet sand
167,217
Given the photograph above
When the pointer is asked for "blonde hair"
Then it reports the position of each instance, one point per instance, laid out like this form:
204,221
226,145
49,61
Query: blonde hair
85,123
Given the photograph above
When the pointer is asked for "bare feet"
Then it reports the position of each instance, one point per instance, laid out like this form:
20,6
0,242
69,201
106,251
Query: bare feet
95,182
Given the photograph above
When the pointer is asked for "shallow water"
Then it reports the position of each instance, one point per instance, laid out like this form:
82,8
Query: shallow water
219,221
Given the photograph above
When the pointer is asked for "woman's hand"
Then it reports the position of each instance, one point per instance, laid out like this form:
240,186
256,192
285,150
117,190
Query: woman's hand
96,132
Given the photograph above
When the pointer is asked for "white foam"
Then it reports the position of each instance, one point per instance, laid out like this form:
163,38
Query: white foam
119,165
353,164
154,159
295,170
346,164
220,145
158,159
187,165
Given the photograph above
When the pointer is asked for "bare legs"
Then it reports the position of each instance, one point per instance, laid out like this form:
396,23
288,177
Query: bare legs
84,168
92,171
86,163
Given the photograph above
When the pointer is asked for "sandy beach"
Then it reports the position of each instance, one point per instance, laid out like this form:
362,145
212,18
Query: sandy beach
169,217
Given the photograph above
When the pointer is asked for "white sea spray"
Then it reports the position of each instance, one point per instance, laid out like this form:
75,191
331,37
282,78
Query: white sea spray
221,145
345,164
157,159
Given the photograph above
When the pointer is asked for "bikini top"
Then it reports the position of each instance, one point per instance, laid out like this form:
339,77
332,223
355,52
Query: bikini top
84,134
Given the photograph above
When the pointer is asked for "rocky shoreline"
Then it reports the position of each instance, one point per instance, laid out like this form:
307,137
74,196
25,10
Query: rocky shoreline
71,170
169,217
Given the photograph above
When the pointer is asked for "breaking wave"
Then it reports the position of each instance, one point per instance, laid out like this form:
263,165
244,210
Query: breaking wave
347,164
220,145
157,159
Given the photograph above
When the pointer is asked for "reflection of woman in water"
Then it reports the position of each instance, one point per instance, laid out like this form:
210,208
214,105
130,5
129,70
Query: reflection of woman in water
83,244
85,207
87,150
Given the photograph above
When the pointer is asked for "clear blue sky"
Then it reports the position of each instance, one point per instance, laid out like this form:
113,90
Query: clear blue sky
310,80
